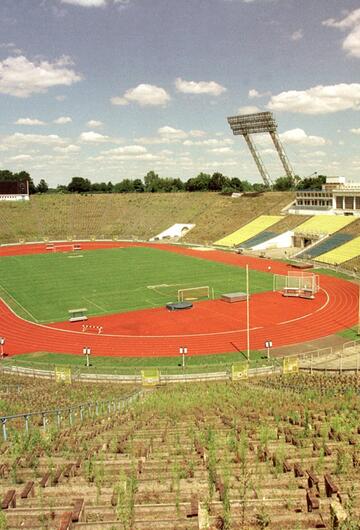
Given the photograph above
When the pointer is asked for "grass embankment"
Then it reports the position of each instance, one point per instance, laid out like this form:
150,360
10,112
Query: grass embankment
44,287
132,215
134,365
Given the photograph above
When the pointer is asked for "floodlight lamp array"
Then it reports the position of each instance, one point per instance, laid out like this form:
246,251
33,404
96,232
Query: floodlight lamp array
261,122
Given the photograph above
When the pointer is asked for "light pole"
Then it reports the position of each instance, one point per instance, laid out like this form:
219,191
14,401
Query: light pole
2,342
87,352
183,351
268,345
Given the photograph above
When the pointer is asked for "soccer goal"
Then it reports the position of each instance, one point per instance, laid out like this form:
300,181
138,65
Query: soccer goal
194,293
302,284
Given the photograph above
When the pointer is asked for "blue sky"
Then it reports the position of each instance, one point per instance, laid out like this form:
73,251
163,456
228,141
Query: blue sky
110,89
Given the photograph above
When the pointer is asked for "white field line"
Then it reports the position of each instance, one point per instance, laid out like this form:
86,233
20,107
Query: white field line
18,303
308,314
93,303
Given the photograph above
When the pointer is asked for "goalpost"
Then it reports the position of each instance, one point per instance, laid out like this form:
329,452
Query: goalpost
302,284
194,293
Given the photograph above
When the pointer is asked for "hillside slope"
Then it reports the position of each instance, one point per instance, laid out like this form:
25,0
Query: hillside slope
132,215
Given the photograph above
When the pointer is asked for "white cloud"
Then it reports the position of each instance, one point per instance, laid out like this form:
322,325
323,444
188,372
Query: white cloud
71,148
21,78
253,93
60,98
197,133
41,139
299,136
355,131
249,109
63,120
94,123
129,150
144,95
297,35
202,87
93,137
21,157
211,142
222,151
169,133
351,43
85,3
29,121
318,100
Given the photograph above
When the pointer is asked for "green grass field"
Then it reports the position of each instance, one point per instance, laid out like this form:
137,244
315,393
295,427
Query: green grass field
43,287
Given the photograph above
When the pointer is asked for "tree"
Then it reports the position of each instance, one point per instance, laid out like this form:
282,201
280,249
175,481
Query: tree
199,183
152,182
217,182
312,183
138,186
283,184
79,185
42,187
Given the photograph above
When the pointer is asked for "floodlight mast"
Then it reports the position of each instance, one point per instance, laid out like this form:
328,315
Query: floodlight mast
260,122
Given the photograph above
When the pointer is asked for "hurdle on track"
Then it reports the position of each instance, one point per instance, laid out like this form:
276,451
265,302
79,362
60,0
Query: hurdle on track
91,328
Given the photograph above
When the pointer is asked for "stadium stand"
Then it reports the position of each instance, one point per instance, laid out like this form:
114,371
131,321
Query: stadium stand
258,239
255,227
324,224
346,252
326,245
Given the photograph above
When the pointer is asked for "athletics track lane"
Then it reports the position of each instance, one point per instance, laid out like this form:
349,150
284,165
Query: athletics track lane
211,327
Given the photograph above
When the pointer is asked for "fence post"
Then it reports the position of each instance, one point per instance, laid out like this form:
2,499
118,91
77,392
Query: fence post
44,421
70,417
81,414
26,418
3,421
58,418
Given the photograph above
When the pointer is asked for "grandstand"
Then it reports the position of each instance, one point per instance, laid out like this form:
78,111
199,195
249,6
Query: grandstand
133,215
341,254
248,231
326,245
323,224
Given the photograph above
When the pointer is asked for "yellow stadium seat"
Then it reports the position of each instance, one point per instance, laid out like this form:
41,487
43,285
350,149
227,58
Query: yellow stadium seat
253,228
324,224
345,252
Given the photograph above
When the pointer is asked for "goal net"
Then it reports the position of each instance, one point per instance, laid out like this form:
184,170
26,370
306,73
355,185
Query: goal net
300,281
194,293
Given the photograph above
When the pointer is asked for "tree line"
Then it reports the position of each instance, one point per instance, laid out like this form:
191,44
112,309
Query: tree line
153,183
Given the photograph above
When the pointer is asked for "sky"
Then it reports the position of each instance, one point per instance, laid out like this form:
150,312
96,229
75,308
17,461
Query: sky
111,89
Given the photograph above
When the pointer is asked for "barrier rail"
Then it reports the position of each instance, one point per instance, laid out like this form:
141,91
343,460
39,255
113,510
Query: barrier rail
93,407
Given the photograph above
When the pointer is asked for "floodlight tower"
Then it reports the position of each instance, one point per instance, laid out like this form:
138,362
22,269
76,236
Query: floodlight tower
260,122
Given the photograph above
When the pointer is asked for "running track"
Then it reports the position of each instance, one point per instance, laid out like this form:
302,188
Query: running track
210,327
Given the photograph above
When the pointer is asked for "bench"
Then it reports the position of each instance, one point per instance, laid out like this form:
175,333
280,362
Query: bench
298,472
29,489
330,487
9,500
312,501
66,521
44,480
194,507
79,505
287,466
114,498
57,476
313,480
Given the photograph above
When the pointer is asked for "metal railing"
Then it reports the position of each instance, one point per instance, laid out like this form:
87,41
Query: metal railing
92,408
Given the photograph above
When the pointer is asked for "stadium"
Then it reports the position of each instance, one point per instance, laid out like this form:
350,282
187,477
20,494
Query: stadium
179,265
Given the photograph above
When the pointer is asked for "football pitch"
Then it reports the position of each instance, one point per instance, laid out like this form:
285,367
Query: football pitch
43,287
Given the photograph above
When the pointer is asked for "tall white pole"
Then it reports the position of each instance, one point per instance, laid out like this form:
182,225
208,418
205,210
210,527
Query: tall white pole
247,312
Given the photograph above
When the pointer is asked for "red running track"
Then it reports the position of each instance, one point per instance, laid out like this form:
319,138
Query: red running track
210,327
